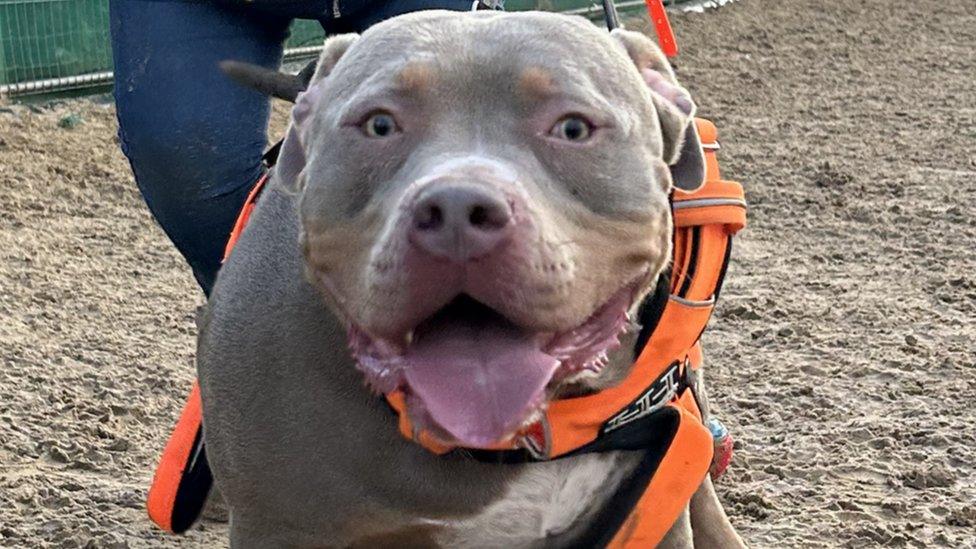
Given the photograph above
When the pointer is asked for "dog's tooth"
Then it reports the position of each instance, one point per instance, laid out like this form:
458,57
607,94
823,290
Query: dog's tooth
408,338
596,364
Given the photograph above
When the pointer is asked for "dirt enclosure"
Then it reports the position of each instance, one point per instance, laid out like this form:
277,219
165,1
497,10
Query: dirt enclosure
841,356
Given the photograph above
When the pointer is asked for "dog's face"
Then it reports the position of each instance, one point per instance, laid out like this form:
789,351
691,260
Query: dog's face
484,201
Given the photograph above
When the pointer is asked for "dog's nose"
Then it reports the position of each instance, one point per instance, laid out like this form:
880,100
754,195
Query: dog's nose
460,223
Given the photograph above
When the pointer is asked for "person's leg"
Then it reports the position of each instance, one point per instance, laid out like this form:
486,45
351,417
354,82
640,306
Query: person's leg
362,19
193,137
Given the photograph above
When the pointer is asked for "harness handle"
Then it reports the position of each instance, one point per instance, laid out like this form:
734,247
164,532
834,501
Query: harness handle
610,15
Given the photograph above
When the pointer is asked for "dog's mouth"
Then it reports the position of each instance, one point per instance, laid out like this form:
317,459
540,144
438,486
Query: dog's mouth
473,378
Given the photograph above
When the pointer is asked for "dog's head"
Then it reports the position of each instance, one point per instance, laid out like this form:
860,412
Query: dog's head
484,203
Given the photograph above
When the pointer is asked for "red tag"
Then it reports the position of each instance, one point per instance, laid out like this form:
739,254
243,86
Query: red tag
665,35
535,439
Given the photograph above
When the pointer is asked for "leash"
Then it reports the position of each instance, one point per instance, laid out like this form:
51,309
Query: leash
662,26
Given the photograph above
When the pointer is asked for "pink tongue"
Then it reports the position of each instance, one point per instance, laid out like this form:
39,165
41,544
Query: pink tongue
477,381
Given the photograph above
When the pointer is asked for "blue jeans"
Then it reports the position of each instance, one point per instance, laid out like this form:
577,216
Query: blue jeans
193,137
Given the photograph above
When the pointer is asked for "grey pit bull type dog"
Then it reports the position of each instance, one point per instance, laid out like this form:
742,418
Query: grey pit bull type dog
473,205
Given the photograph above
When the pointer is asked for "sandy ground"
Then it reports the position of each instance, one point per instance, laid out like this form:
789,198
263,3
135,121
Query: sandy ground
842,354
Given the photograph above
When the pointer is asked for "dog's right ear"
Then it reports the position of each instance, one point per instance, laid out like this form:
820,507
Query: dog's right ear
292,159
333,50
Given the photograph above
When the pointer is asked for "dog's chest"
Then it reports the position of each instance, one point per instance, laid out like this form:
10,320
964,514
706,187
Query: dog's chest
548,501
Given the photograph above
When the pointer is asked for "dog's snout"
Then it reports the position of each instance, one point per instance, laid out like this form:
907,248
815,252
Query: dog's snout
460,223
466,208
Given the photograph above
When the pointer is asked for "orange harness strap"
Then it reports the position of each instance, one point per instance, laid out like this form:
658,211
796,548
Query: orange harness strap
652,406
182,479
662,26
249,203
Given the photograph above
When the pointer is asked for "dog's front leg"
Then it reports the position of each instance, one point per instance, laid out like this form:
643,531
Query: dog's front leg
709,523
680,536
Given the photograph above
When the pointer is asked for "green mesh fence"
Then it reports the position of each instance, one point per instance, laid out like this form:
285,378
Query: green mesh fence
49,38
55,45
50,45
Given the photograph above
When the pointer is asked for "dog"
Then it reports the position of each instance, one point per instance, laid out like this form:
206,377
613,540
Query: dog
456,194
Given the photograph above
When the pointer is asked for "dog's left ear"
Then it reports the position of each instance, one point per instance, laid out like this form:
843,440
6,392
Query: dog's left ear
675,109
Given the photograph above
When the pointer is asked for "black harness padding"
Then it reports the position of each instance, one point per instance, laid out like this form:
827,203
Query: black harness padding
692,262
194,487
650,311
725,268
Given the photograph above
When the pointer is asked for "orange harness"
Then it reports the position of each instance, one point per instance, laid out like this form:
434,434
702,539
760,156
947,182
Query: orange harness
653,410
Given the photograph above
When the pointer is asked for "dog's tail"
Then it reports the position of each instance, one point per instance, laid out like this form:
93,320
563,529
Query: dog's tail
272,83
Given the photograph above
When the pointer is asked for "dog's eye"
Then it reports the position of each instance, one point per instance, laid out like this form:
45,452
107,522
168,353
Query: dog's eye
572,128
380,124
